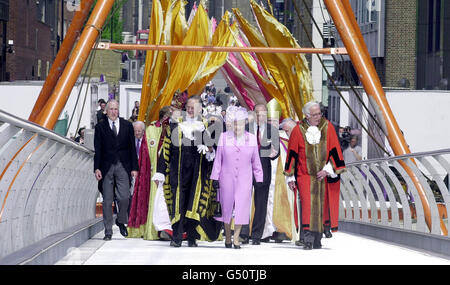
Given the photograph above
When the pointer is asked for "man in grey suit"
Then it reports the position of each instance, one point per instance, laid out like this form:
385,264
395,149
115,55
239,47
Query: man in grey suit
115,160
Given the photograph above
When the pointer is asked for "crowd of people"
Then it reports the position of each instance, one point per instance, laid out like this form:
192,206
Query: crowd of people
203,172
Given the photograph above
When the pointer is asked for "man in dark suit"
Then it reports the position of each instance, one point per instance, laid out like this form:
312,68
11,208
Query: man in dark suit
114,160
269,149
101,114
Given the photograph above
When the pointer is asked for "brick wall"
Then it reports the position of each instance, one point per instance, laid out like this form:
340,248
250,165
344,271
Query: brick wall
400,51
33,41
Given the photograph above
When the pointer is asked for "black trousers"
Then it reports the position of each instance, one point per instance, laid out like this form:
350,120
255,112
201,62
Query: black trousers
261,195
187,184
313,237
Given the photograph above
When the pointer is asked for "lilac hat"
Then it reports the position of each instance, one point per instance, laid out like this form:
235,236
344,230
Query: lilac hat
236,114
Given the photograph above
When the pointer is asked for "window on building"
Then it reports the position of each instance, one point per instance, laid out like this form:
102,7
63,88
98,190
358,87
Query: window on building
437,32
41,10
434,25
366,11
328,34
374,11
44,10
430,24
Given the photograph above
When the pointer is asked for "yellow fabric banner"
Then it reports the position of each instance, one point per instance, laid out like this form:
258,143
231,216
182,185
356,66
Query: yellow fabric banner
185,65
222,37
269,61
154,37
161,67
268,84
293,68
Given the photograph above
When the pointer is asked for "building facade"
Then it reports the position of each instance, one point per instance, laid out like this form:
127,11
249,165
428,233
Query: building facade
136,15
407,40
433,45
31,36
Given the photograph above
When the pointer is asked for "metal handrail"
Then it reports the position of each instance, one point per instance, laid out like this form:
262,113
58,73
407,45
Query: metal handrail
46,184
404,156
33,127
379,191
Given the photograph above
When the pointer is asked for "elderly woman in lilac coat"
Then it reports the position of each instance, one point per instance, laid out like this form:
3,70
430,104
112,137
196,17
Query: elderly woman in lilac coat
236,163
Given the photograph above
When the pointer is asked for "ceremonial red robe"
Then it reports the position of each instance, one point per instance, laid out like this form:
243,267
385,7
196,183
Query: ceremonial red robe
139,202
319,199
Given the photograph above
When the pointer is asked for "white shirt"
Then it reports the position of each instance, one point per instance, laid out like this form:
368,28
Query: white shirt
349,156
116,123
261,129
191,120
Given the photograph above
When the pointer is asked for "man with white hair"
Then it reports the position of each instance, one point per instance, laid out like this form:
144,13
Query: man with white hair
139,200
288,125
115,161
146,195
313,164
182,167
139,129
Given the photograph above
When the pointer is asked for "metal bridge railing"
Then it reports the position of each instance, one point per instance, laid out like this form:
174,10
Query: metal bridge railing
46,184
379,191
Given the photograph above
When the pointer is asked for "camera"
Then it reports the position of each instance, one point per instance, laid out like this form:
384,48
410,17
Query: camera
345,135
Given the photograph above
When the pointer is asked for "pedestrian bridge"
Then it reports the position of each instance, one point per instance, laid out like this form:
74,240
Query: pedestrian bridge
48,197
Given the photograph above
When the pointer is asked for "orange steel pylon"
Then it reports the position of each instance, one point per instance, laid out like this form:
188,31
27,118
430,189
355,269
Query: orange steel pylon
61,58
55,104
344,20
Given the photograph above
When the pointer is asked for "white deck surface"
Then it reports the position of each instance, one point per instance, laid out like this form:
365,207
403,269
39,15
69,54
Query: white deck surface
341,249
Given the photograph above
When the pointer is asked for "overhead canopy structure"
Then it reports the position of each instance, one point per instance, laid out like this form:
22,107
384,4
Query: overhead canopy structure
253,77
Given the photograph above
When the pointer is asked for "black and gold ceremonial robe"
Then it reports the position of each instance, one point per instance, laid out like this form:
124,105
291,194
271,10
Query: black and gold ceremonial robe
187,170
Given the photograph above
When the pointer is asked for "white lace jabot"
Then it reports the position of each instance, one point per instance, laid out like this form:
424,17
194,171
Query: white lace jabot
188,128
313,135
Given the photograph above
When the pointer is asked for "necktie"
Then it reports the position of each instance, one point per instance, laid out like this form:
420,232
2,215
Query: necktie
114,129
137,147
257,138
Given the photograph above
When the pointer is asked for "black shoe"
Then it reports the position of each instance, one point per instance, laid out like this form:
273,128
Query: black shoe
307,246
107,237
122,228
237,246
317,244
256,242
228,245
328,234
175,243
299,243
192,243
244,240
267,239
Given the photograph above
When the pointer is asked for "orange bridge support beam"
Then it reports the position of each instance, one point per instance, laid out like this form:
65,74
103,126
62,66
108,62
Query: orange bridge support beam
61,58
341,13
111,46
55,104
